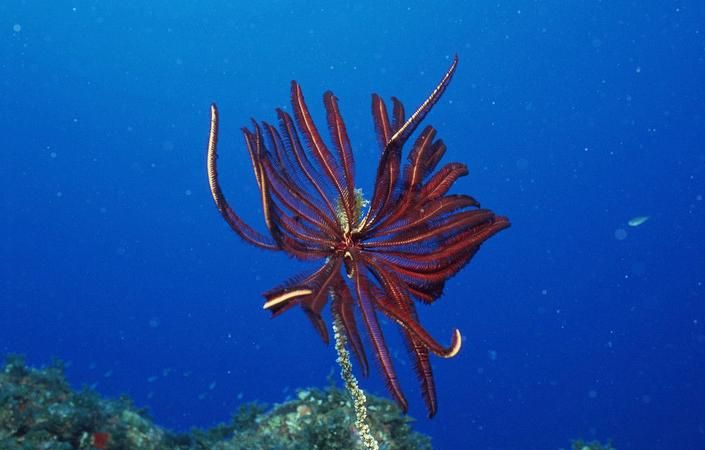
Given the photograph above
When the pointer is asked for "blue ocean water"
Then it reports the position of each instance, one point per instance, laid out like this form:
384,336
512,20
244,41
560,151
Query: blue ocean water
573,117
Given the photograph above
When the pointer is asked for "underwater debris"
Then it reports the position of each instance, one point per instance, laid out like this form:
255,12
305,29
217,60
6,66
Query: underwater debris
39,410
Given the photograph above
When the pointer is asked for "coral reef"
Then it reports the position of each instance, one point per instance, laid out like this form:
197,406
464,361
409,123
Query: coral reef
579,444
39,410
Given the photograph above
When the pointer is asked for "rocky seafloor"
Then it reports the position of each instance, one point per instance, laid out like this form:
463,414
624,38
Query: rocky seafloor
40,411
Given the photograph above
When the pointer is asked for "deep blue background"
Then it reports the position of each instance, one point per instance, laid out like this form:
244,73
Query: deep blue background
573,116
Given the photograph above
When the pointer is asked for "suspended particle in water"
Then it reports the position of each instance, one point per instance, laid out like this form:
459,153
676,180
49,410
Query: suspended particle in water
620,234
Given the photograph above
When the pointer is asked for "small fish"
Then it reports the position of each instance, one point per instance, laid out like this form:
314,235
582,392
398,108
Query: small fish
638,220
